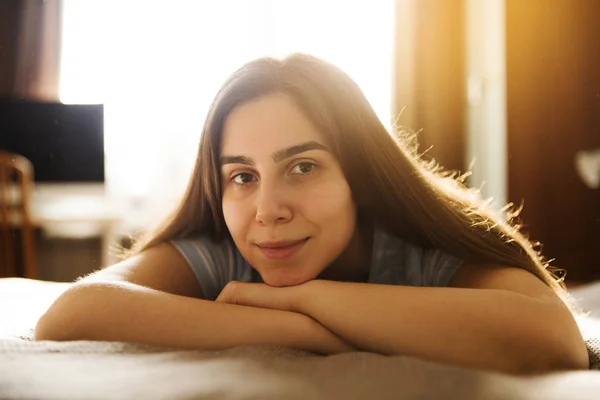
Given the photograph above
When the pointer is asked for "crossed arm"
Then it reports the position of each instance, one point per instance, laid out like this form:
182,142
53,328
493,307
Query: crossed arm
490,317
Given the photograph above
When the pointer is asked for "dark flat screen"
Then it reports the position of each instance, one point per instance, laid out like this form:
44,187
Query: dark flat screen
65,142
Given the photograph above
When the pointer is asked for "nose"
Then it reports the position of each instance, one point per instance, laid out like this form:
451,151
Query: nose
272,205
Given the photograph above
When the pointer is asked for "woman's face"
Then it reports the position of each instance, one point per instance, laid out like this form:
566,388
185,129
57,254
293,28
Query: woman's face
286,201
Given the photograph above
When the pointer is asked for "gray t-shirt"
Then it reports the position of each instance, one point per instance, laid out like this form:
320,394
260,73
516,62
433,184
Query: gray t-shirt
394,262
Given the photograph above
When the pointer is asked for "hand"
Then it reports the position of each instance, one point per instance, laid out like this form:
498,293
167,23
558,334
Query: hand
262,296
318,338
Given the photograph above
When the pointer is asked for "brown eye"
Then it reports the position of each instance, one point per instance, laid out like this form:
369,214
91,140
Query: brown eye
243,178
304,168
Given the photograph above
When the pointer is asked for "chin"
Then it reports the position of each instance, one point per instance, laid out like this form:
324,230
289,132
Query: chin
283,280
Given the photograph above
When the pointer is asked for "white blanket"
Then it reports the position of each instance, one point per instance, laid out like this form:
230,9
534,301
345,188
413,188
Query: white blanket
108,370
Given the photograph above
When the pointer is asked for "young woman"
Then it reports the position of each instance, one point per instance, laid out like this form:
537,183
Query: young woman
307,224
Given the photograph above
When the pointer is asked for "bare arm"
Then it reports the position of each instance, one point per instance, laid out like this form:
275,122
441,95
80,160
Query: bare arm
121,311
485,328
495,318
120,304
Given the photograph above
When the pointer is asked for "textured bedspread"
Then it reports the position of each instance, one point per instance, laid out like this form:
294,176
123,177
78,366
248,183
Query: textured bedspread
103,370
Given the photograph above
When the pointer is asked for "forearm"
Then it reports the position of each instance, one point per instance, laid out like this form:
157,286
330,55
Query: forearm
493,329
120,311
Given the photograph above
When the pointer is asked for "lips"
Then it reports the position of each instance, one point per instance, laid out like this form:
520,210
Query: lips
280,243
282,249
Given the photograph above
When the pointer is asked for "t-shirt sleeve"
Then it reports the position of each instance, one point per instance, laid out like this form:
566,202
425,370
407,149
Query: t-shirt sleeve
213,264
428,267
438,267
398,262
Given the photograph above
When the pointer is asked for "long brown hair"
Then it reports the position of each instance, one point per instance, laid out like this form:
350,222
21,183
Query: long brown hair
392,184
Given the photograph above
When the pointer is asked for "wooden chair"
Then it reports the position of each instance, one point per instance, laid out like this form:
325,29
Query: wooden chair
16,182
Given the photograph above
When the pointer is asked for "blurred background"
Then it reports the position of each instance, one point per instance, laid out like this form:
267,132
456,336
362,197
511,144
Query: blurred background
106,100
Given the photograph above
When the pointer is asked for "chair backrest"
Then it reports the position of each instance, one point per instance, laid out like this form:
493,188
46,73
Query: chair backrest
16,185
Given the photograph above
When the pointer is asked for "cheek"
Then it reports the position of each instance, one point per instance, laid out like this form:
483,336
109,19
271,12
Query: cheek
332,209
329,202
236,216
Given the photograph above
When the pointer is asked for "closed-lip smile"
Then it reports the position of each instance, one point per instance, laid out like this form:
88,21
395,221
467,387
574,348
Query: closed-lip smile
280,243
282,249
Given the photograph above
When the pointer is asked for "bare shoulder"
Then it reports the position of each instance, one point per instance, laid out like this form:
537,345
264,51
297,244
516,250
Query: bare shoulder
161,267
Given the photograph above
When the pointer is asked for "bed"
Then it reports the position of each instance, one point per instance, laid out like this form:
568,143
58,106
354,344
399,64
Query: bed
111,370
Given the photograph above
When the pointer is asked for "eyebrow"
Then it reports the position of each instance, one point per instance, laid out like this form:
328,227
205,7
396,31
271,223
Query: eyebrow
277,156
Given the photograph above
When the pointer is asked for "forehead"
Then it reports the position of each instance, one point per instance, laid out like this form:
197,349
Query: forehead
265,125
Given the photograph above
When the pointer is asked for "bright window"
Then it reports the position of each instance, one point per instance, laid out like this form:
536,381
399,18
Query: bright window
156,66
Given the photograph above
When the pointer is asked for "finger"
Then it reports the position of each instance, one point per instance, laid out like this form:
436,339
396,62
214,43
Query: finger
251,294
229,292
